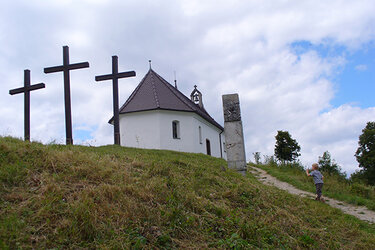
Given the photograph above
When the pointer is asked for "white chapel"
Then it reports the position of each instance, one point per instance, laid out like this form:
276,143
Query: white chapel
158,116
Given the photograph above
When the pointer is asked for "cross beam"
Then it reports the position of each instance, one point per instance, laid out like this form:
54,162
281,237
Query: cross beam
114,77
26,90
65,68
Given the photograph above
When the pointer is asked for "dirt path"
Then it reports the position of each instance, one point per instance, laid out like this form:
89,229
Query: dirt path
361,213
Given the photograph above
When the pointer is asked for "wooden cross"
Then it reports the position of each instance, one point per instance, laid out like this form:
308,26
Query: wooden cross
66,67
26,90
114,77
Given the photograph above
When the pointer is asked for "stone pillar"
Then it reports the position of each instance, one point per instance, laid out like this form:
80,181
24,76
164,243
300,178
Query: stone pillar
233,130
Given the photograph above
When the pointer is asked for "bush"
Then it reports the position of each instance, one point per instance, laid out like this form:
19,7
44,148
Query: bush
358,177
270,160
296,165
362,190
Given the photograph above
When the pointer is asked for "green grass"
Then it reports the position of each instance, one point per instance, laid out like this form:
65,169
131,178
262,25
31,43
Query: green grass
54,196
334,186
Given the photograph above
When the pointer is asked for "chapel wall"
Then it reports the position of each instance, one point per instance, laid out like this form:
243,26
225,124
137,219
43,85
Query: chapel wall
211,133
153,130
140,130
185,143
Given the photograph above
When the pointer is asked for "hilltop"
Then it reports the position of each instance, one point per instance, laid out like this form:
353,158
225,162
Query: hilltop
55,196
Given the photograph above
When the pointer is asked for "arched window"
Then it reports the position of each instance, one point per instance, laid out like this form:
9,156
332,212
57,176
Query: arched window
200,134
176,129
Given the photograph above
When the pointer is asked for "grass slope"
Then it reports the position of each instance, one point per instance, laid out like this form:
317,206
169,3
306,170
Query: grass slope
334,186
113,197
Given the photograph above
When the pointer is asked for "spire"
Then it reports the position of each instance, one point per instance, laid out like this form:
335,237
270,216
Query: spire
196,97
149,62
175,80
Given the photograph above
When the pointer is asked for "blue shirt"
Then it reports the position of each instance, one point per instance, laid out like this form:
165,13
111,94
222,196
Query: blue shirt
318,177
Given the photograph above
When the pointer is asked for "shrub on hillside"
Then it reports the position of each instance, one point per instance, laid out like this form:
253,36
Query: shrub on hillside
363,190
358,177
296,165
270,160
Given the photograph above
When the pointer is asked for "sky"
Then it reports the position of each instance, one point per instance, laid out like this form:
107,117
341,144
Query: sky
306,67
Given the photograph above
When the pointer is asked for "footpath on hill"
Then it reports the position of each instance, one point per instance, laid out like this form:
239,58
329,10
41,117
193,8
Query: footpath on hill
360,212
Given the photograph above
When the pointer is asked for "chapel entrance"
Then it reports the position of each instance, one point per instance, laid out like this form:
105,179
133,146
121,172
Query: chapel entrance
208,147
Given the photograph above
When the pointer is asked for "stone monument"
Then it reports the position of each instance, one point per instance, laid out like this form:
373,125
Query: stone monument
233,130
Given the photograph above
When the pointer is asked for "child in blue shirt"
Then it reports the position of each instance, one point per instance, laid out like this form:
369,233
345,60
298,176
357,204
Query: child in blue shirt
318,180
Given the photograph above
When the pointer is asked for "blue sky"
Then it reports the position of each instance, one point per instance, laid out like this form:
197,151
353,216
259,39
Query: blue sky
354,81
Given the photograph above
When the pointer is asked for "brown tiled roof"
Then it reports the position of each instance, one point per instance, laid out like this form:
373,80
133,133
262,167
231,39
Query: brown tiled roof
154,92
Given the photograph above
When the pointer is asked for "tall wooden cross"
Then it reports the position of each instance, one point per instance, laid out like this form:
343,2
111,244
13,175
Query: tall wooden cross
66,67
114,77
26,90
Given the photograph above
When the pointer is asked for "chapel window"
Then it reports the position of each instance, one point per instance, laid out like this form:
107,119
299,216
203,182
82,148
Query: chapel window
200,134
176,129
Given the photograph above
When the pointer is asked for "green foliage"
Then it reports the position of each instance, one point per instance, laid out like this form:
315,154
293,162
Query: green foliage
286,148
358,177
297,166
111,197
307,241
257,157
329,166
364,191
234,242
365,153
269,160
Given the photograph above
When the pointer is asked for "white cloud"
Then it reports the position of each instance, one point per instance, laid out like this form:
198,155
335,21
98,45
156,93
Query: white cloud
361,67
229,46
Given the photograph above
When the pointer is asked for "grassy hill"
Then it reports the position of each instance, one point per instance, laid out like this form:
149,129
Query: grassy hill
54,196
334,186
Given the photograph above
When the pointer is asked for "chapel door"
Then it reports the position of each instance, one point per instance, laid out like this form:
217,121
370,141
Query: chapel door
208,147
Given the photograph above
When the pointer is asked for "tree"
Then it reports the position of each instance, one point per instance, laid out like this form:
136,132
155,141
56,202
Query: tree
326,164
286,148
365,153
257,157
